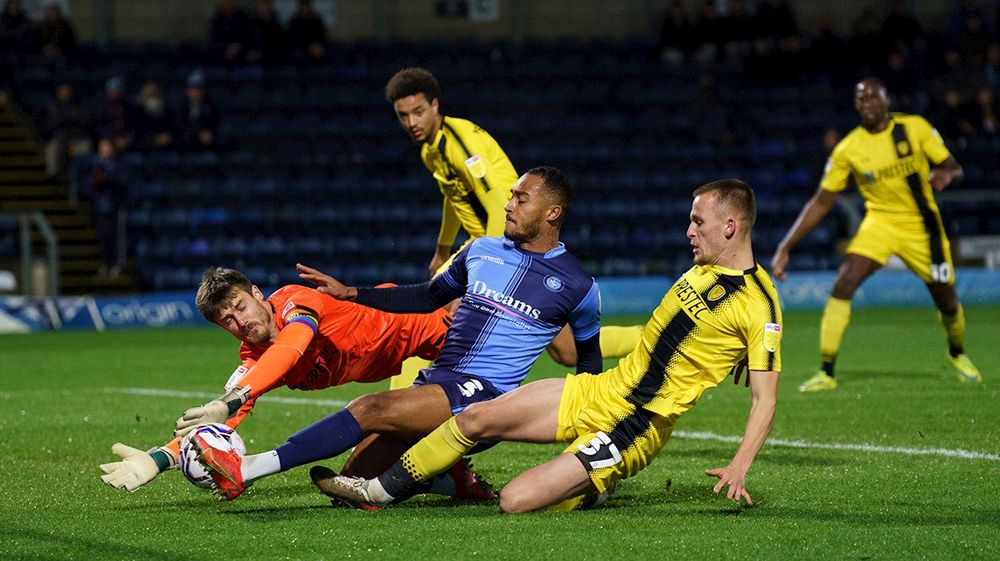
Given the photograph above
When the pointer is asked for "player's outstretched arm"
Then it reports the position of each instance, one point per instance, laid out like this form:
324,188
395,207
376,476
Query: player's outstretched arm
219,410
327,284
946,173
811,215
136,467
764,392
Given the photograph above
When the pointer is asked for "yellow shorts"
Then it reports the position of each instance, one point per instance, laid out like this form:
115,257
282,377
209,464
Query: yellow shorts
611,437
926,253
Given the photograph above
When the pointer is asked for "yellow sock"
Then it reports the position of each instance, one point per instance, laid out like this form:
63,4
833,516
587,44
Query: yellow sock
569,504
411,367
954,326
437,451
836,316
619,340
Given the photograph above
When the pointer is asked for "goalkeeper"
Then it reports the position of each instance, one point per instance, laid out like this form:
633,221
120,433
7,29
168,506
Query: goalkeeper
301,339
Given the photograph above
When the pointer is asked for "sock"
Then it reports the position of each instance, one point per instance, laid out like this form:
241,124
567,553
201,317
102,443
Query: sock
827,367
325,438
836,316
954,326
619,340
411,367
567,505
258,465
434,454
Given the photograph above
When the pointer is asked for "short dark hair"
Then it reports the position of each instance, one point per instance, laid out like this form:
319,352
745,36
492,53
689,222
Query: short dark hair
734,194
557,185
412,81
216,288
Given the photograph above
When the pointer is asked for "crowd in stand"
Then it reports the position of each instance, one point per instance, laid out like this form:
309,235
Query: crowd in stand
259,38
951,76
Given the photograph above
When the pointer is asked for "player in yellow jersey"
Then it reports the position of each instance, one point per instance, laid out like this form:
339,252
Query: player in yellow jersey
890,156
721,315
475,176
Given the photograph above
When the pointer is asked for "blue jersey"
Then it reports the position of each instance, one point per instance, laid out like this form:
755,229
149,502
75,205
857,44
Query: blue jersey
514,302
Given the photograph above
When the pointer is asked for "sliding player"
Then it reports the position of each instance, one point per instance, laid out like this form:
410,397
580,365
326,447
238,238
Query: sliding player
302,339
516,293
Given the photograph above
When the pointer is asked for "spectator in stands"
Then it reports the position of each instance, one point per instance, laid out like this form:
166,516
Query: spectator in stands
901,30
676,35
107,191
67,125
866,47
955,113
307,35
991,66
708,31
15,29
56,37
737,31
268,37
826,51
983,112
969,31
198,118
903,79
229,32
155,122
115,118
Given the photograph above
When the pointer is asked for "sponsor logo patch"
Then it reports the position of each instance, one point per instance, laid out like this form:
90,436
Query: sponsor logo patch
476,166
716,293
236,376
772,337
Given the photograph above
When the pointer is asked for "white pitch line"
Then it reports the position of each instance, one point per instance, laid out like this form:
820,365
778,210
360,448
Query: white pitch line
697,435
871,448
154,392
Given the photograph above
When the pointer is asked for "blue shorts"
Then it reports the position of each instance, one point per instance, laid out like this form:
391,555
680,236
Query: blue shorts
462,389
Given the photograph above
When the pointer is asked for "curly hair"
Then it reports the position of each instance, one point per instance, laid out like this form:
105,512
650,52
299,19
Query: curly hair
412,81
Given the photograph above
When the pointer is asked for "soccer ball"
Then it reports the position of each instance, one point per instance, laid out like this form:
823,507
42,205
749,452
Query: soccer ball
220,436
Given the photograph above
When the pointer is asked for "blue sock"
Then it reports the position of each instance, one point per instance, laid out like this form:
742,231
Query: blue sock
323,439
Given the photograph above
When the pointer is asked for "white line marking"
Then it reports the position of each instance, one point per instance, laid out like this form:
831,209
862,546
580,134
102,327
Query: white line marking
154,392
956,453
695,435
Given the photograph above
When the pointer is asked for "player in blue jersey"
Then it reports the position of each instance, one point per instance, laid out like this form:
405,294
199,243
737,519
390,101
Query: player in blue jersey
517,292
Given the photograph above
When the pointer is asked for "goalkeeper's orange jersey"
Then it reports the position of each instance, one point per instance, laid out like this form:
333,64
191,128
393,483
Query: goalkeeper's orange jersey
325,342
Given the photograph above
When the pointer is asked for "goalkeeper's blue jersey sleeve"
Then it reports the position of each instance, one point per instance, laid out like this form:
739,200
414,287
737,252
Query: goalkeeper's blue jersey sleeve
514,304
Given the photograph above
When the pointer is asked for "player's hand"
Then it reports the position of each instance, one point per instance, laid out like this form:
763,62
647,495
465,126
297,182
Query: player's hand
326,284
778,264
735,479
215,411
939,178
441,254
436,263
136,469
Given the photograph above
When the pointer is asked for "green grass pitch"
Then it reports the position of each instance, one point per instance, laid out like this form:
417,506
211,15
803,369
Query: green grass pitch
869,471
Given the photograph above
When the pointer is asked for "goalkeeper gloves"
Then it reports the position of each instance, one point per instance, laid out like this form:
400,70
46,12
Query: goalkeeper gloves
216,411
137,467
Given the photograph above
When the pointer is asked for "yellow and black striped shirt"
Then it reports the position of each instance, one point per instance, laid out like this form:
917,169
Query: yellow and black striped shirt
890,167
711,321
475,177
